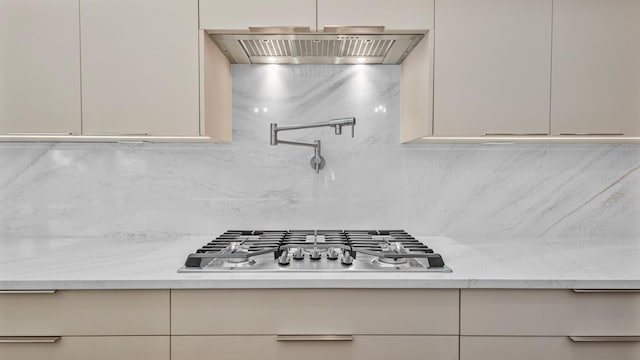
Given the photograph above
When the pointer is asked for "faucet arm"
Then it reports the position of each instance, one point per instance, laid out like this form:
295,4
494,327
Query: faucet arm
334,122
317,161
298,143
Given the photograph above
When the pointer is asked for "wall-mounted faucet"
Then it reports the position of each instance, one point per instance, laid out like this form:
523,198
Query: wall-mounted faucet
317,161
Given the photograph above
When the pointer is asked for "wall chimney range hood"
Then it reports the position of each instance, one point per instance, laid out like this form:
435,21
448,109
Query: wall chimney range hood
336,45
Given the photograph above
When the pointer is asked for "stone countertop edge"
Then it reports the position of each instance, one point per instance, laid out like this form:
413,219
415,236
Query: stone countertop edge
151,263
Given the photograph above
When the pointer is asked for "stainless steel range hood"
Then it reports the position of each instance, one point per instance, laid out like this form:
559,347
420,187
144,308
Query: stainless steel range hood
336,45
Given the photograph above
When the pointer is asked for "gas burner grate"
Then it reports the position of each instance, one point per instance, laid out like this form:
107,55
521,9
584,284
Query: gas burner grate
389,246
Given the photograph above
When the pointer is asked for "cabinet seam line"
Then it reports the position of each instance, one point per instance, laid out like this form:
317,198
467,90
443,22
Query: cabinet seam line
551,69
80,62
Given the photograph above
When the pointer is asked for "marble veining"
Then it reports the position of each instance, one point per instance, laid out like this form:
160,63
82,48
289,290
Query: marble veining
165,191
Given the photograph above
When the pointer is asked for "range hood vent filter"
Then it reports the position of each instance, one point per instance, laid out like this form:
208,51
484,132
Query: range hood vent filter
334,48
316,48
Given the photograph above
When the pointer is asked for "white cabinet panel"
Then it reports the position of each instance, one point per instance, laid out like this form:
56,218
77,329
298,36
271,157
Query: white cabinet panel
393,14
359,348
537,348
91,312
334,311
140,67
39,67
94,348
596,67
241,14
549,312
492,67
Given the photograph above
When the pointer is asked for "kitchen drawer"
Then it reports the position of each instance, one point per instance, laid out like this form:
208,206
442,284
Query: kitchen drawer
549,312
119,312
314,311
94,348
270,348
537,348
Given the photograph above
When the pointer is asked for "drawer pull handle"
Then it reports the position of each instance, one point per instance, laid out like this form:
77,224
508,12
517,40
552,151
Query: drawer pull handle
315,338
29,339
40,133
116,134
516,134
605,338
613,291
3,292
591,134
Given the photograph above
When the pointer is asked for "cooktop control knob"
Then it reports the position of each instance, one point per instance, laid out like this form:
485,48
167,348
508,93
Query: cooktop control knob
332,254
284,258
347,259
315,254
298,254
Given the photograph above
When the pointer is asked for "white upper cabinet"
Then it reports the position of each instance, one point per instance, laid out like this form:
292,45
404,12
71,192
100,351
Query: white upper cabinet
393,14
241,14
596,67
39,67
492,67
140,67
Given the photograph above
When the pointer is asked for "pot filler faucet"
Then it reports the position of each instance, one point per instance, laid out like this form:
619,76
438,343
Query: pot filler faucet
317,161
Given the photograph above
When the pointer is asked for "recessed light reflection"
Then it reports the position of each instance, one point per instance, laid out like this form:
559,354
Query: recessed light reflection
361,60
380,108
271,59
256,110
265,109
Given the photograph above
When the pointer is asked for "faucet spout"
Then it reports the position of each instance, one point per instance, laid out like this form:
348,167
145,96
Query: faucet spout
317,161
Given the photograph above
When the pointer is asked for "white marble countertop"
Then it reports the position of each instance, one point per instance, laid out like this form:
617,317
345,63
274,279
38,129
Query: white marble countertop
146,263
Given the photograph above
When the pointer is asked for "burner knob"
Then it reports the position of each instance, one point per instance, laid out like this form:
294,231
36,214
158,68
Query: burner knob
347,259
332,254
284,258
315,254
298,254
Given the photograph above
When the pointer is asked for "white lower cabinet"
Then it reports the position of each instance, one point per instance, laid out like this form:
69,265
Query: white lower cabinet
314,347
538,348
94,348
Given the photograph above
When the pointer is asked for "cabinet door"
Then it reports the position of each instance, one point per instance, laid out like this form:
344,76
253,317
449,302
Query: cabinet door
140,67
39,67
328,311
393,14
85,312
492,67
241,14
536,348
314,347
94,348
517,312
596,67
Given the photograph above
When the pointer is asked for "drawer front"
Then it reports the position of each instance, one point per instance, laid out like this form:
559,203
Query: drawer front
94,348
359,348
119,312
314,311
537,348
549,312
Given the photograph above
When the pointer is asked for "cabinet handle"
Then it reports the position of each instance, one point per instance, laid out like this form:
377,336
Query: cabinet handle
3,292
40,133
591,134
29,339
613,291
605,338
354,29
315,338
112,134
516,134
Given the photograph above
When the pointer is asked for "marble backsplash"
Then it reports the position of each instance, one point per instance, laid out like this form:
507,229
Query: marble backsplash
370,181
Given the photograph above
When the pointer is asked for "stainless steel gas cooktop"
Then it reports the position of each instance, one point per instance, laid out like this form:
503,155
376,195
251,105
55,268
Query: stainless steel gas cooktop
314,250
